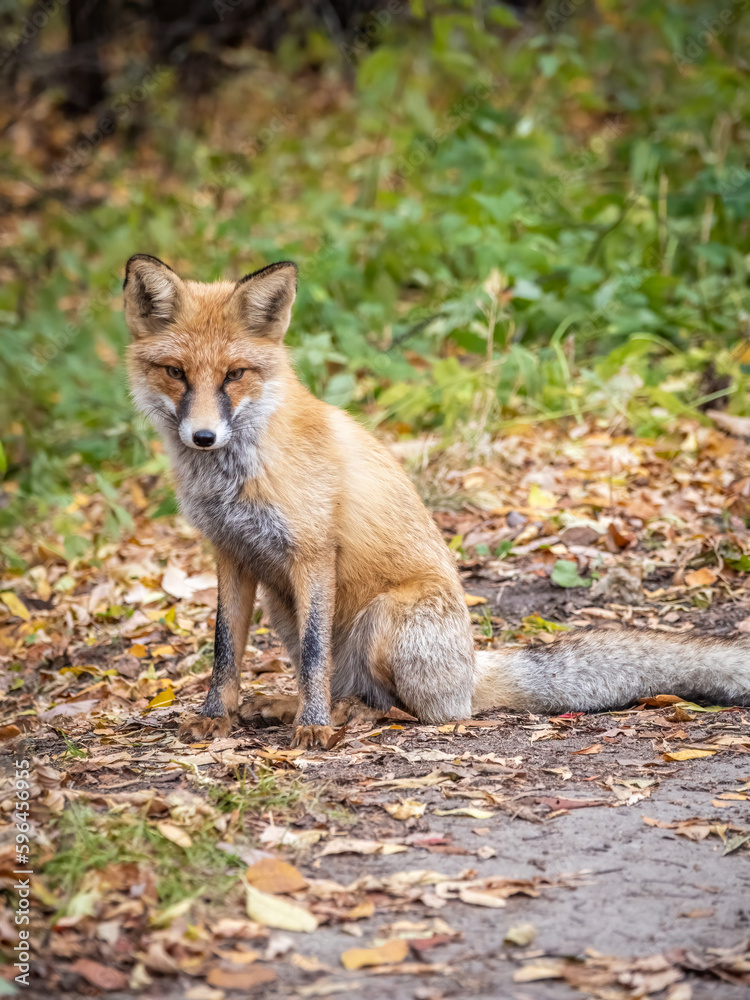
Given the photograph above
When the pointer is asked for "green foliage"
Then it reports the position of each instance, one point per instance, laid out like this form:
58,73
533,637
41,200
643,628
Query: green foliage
496,221
91,841
565,574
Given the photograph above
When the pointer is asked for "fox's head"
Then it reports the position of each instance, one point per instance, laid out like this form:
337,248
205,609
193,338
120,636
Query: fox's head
204,356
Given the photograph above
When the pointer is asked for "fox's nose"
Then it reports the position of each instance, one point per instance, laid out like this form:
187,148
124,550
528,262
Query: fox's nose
204,439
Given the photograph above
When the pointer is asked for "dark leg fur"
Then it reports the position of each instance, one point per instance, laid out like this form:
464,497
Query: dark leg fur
235,607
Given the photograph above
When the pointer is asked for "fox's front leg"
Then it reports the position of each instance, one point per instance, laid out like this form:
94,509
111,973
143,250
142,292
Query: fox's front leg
315,590
233,615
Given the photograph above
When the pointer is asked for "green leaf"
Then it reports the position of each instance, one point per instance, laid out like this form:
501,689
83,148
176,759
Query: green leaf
565,574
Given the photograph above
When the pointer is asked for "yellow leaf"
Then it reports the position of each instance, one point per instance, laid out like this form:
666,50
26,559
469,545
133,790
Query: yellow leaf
703,577
275,911
162,699
473,599
137,650
465,811
541,970
163,651
174,833
390,953
167,916
405,809
540,498
14,605
521,935
688,754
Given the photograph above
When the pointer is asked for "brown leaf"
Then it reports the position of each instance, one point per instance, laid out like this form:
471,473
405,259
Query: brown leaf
594,748
247,979
554,802
702,577
101,976
275,876
389,953
580,535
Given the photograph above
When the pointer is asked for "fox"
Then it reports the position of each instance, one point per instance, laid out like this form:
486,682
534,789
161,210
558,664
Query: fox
311,515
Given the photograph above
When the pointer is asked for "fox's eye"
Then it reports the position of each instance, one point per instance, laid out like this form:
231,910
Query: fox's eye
234,375
174,372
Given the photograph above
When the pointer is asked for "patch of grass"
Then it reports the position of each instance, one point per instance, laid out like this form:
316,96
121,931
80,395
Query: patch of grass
72,751
266,791
91,841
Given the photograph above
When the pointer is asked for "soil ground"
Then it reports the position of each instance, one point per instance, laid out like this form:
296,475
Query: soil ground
635,889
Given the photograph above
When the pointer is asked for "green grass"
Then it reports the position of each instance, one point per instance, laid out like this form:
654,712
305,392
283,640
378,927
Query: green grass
90,841
267,791
485,228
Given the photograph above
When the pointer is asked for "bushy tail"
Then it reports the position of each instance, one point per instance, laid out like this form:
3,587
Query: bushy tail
599,669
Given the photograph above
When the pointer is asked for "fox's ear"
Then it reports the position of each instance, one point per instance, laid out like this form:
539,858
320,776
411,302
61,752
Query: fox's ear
265,299
153,294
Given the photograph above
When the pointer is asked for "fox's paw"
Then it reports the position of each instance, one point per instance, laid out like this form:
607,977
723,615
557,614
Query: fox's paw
269,711
312,736
196,728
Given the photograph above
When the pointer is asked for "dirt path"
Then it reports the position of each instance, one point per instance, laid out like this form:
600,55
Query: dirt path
620,850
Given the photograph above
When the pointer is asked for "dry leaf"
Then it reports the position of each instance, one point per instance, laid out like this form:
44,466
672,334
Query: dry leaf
351,845
405,809
687,754
387,954
275,876
174,833
472,600
15,605
101,976
247,979
594,748
702,577
273,911
161,700
541,499
466,811
521,934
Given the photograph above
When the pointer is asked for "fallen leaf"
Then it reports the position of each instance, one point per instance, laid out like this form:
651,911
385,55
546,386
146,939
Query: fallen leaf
540,498
274,911
702,577
521,934
162,699
466,811
101,976
472,600
536,971
735,843
9,732
275,876
15,605
244,980
174,833
555,802
594,748
405,809
387,954
688,754
351,845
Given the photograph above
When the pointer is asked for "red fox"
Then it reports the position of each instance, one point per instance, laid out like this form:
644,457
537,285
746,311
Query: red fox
303,503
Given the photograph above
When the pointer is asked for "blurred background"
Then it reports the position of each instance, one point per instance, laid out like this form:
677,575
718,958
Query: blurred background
501,213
